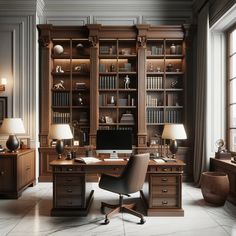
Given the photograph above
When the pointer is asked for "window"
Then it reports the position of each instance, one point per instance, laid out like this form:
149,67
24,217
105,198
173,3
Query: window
231,93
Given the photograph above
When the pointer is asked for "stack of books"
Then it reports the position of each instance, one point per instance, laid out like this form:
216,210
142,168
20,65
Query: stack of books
127,118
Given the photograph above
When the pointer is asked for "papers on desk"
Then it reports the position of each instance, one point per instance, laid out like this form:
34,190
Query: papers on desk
87,160
113,159
159,160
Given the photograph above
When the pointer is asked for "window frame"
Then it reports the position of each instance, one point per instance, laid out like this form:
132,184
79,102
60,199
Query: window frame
229,127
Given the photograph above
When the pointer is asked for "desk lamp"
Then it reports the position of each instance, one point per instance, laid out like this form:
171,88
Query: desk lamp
12,126
60,132
174,132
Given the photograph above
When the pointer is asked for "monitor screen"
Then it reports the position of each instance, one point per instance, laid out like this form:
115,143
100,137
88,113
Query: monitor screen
114,141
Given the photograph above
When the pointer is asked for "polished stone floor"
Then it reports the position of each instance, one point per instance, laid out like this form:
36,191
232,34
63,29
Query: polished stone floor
30,215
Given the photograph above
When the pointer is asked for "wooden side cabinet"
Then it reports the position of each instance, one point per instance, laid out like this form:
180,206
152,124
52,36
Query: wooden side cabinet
230,169
17,172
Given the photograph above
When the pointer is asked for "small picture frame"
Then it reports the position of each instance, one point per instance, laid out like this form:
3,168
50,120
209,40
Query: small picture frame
108,119
3,108
24,143
154,141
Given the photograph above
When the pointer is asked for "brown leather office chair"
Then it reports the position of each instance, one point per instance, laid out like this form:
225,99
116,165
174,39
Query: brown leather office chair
130,181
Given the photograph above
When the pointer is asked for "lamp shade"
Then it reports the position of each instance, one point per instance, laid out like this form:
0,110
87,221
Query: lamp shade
12,126
60,131
174,131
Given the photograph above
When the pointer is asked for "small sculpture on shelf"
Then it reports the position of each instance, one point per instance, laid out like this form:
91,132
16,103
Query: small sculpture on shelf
78,68
222,152
80,100
59,85
59,69
127,82
58,49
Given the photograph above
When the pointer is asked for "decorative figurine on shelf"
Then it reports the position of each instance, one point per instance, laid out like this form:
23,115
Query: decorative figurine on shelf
173,84
80,100
127,82
59,85
58,49
59,69
172,49
78,68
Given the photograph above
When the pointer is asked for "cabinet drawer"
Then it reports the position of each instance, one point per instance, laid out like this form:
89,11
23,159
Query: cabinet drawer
69,202
64,180
68,190
164,202
164,190
166,180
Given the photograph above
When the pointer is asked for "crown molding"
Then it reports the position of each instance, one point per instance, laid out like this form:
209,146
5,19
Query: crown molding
18,6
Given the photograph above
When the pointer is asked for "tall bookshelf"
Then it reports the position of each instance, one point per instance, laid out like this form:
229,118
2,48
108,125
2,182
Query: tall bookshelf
114,77
118,84
165,79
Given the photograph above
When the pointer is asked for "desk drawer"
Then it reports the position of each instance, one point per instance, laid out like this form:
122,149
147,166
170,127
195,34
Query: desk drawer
69,180
68,190
164,180
164,202
164,190
69,202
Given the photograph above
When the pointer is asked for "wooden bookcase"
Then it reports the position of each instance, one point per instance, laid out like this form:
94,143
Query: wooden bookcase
95,63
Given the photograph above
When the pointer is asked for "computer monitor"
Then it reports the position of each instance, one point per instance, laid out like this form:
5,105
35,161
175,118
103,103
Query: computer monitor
114,142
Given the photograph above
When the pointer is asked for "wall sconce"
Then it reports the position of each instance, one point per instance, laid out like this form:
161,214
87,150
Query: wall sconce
3,84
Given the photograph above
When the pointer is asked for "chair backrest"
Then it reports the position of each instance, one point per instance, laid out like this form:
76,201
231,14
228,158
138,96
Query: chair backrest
134,173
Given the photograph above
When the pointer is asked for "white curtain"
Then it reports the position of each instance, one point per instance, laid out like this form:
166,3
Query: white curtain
200,158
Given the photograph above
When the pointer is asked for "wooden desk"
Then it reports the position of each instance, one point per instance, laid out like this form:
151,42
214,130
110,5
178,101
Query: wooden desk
72,194
17,172
229,168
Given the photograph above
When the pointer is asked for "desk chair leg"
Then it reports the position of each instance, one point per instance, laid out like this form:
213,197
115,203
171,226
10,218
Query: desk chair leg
135,213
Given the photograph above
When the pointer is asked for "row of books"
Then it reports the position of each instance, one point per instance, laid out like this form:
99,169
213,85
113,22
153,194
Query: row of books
60,98
153,101
154,82
115,128
173,116
155,116
107,82
60,117
157,50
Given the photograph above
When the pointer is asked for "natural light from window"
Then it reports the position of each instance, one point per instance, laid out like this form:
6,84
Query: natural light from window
232,90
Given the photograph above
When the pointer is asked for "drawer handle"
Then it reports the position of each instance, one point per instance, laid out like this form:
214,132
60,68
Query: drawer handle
164,179
2,172
164,202
164,190
69,190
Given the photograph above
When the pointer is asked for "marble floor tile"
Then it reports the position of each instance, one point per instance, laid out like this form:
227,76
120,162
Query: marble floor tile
30,216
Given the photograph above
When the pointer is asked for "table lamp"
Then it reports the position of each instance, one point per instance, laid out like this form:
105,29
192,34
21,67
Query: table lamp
60,132
12,126
174,132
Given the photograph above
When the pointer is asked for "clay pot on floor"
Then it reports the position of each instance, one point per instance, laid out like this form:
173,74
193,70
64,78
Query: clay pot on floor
215,187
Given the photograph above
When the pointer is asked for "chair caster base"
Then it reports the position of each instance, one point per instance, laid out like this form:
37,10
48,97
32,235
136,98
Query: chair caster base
142,221
106,221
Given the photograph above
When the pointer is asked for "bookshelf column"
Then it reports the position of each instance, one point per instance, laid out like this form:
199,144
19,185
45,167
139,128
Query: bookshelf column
44,92
94,62
142,128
